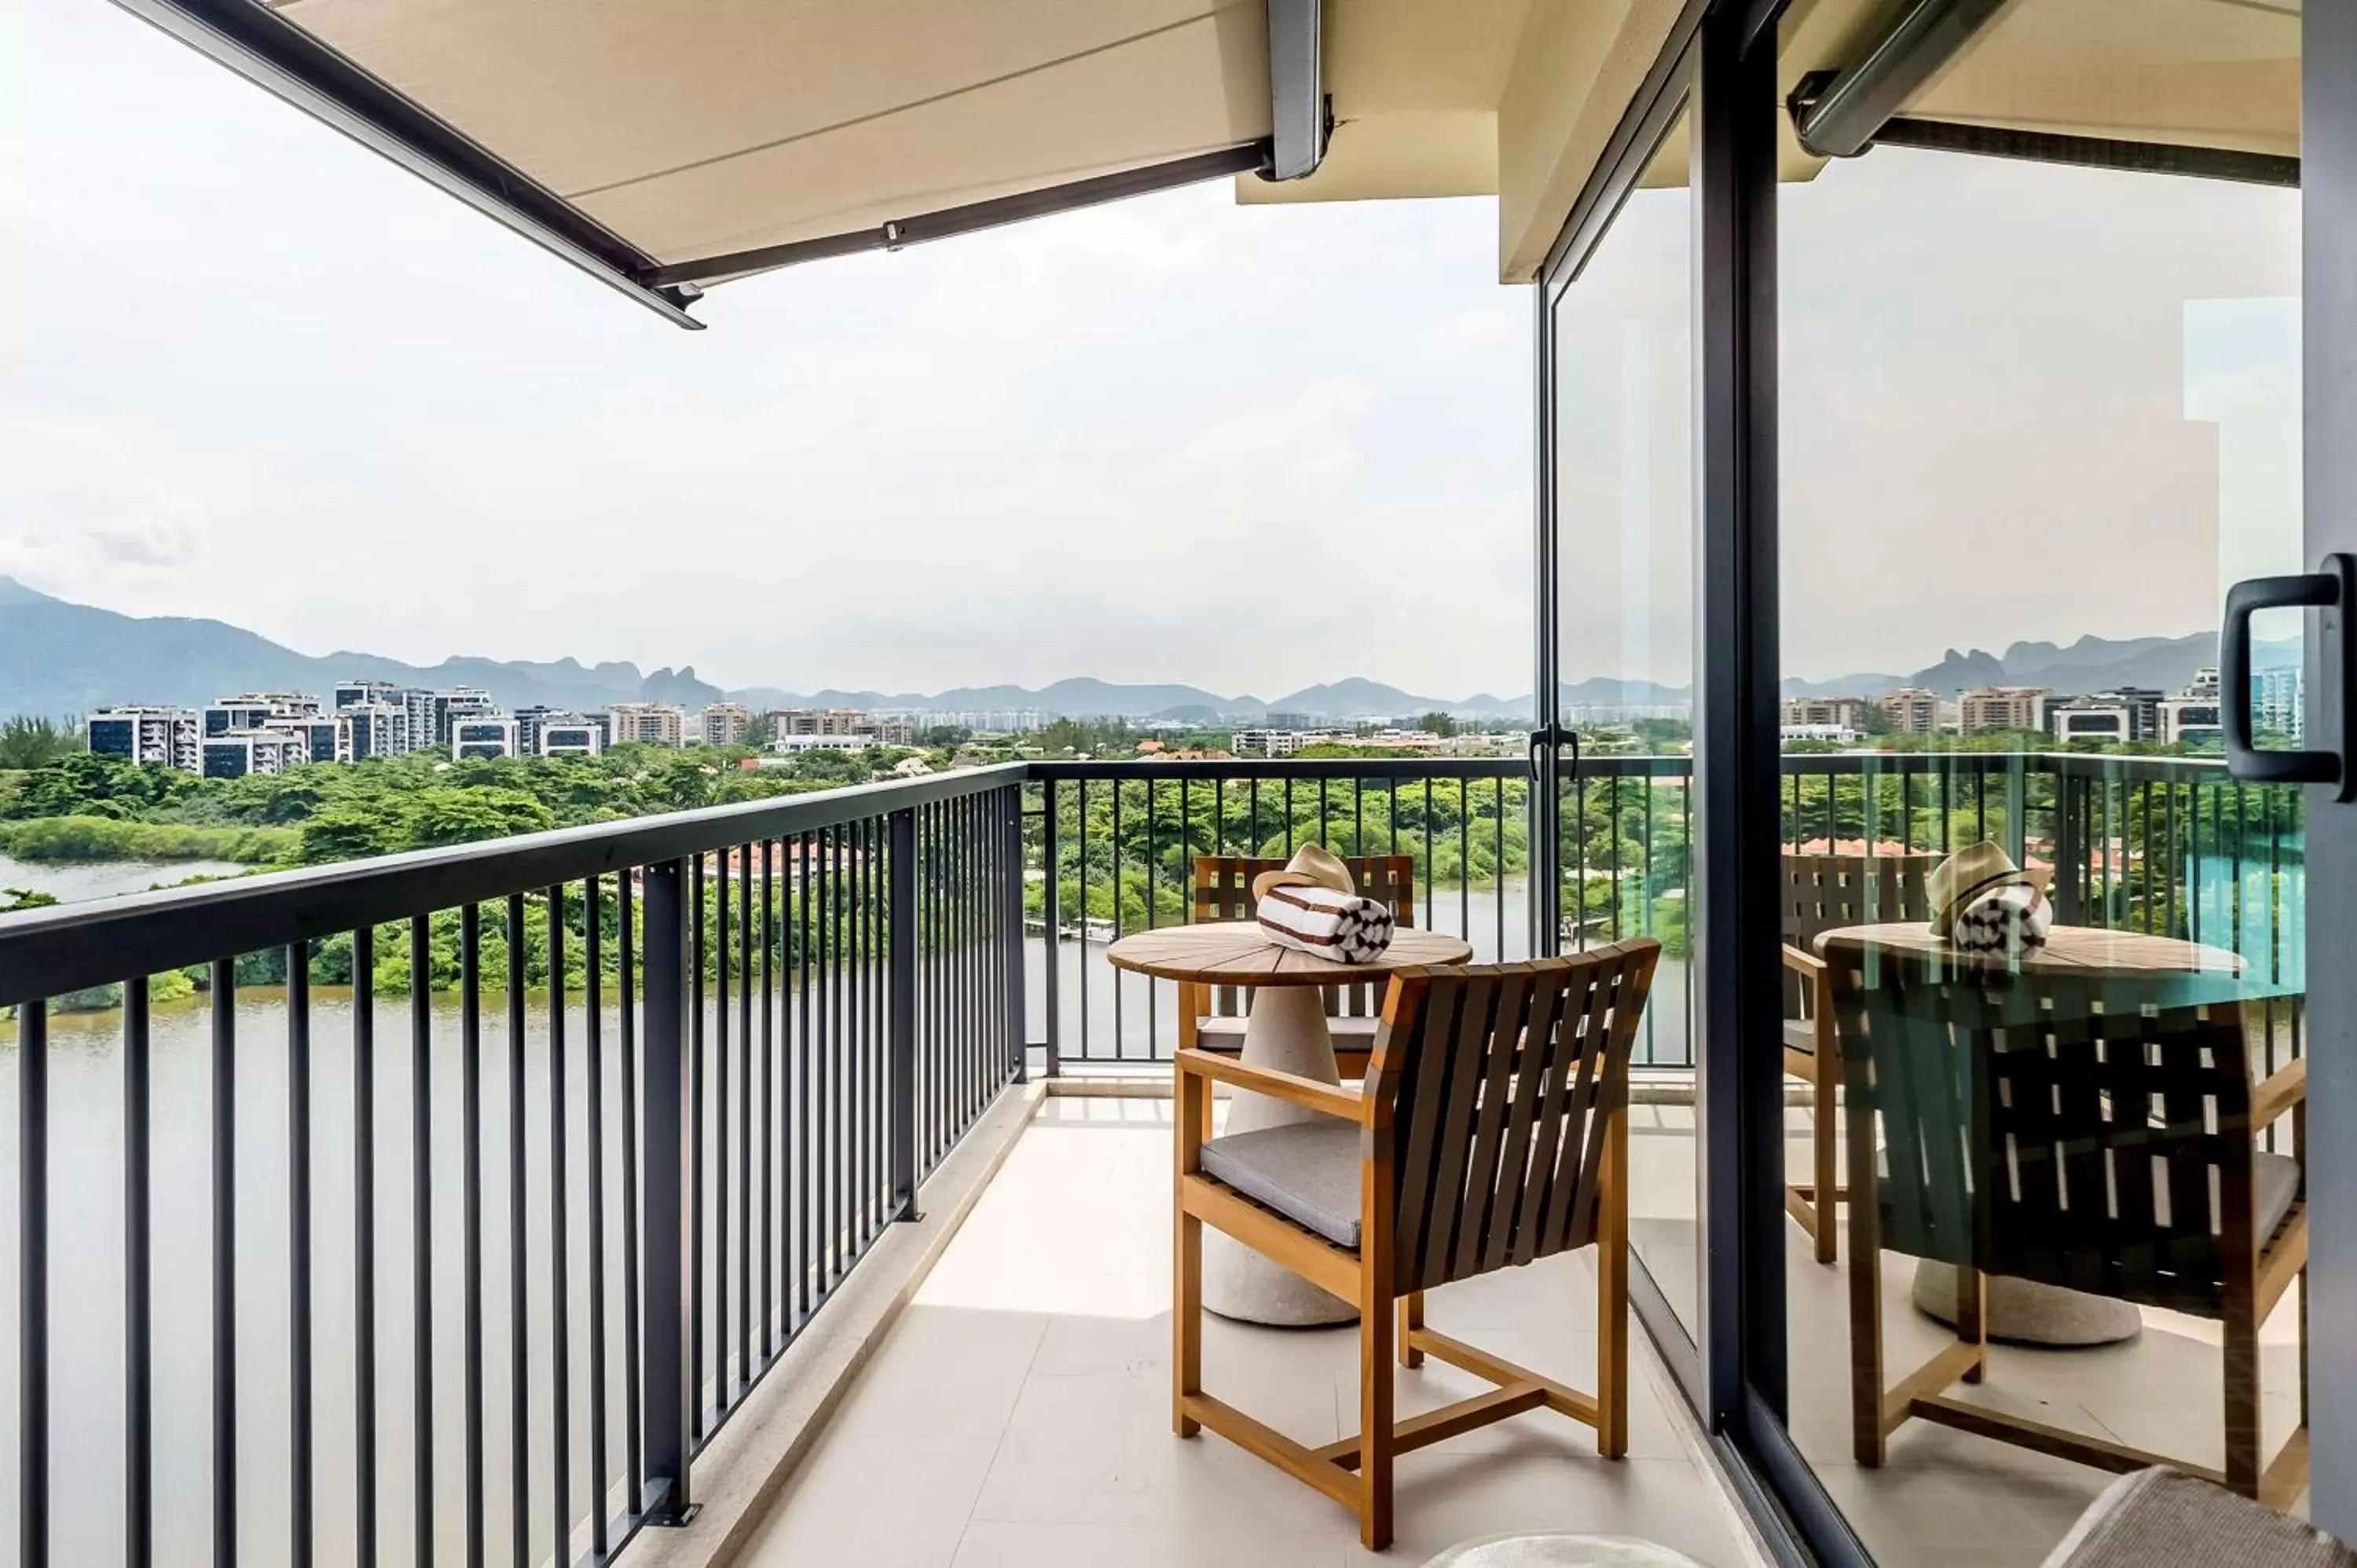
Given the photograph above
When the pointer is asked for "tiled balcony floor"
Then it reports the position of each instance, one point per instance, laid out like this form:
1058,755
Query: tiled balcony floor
1020,1410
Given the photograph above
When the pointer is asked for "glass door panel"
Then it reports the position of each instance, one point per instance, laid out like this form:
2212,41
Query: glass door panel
1622,382
2037,412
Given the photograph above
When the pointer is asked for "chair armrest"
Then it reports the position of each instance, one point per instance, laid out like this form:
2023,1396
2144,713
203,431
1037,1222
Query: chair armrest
2279,1094
1800,962
1291,1087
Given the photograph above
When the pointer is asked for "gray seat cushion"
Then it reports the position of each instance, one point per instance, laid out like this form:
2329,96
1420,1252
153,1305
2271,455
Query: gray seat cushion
1308,1172
2162,1516
1801,1034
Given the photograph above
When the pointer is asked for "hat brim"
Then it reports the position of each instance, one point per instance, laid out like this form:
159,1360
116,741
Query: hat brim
1269,879
1943,918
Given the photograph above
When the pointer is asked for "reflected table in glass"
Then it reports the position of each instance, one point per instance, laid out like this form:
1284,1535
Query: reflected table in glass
1285,1032
2026,1311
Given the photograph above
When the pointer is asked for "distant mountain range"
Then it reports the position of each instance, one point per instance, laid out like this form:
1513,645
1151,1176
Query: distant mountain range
58,658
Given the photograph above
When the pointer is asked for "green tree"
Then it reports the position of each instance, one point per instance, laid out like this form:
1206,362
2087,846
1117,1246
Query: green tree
1439,724
37,743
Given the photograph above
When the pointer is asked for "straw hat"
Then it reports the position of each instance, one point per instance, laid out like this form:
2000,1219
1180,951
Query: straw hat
1970,872
1312,865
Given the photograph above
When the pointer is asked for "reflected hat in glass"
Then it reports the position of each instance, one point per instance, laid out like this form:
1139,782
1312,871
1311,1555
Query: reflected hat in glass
1312,865
1974,872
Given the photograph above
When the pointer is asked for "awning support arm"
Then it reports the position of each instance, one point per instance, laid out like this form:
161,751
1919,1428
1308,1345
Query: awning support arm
1253,158
285,60
1840,117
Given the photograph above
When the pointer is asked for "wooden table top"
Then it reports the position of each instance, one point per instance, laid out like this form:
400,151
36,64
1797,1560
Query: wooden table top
1238,952
2069,950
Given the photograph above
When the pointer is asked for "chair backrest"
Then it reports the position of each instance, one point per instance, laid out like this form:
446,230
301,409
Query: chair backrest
2090,1131
1223,892
1499,1092
1825,892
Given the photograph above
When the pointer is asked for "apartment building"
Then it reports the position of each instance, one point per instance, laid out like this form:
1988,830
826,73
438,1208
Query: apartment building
163,737
242,753
2192,715
476,737
645,724
1991,708
326,737
867,728
251,710
2090,718
2277,700
724,723
1910,710
571,736
1825,714
377,727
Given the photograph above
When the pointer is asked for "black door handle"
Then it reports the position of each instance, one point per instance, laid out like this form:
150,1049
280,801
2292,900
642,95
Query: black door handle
1558,735
2333,589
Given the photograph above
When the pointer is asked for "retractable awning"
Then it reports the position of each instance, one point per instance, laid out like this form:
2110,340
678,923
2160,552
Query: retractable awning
664,146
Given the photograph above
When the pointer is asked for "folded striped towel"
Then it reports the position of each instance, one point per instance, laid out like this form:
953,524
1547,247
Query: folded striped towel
2004,921
1325,921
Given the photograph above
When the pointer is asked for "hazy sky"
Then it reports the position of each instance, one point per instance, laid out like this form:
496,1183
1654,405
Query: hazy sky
2016,402
250,370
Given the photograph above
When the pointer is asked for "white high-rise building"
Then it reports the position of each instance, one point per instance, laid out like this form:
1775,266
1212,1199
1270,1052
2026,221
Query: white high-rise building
162,738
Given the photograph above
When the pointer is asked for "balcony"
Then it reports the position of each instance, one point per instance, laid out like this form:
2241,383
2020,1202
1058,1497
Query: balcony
568,1142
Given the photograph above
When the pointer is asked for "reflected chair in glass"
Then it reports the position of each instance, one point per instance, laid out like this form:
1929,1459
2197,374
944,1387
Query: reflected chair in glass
1212,1018
1492,1131
1823,893
2098,1132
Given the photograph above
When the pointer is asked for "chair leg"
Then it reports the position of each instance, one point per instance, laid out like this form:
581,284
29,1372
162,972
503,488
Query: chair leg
1826,1111
1612,1291
1972,1318
2244,1462
1193,1103
1375,1433
1867,1437
1411,1318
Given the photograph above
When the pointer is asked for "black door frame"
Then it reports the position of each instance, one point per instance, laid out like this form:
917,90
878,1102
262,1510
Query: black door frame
1720,62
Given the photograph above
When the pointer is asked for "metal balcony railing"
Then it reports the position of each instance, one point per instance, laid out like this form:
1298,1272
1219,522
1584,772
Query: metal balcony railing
441,1206
395,1283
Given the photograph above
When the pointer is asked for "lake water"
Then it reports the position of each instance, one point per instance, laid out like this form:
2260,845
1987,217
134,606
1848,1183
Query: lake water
72,881
86,1178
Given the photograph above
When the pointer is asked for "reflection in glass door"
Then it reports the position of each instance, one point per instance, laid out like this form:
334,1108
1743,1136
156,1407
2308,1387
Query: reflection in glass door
2044,955
1621,361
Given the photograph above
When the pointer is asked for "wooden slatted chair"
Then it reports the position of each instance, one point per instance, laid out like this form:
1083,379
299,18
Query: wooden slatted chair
2093,1131
1823,893
1212,1018
1491,1132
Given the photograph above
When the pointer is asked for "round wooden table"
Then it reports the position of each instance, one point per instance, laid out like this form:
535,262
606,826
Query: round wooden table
2025,1311
1287,1032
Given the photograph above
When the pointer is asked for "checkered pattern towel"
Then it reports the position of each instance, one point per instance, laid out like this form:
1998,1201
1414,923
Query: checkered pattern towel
2004,920
1340,926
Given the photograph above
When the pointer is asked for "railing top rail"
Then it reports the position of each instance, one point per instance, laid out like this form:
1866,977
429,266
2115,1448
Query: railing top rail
2066,764
1290,768
71,946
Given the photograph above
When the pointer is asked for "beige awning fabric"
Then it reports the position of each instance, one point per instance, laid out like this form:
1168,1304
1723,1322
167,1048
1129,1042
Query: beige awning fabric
696,130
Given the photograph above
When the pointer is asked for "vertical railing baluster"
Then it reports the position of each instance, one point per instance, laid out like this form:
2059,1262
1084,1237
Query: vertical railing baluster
593,957
1051,904
1010,936
720,1130
364,1478
421,1239
224,1240
625,990
519,957
745,1115
560,1295
672,1401
771,1209
807,1256
33,1290
470,1205
900,871
696,950
298,1254
138,1278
